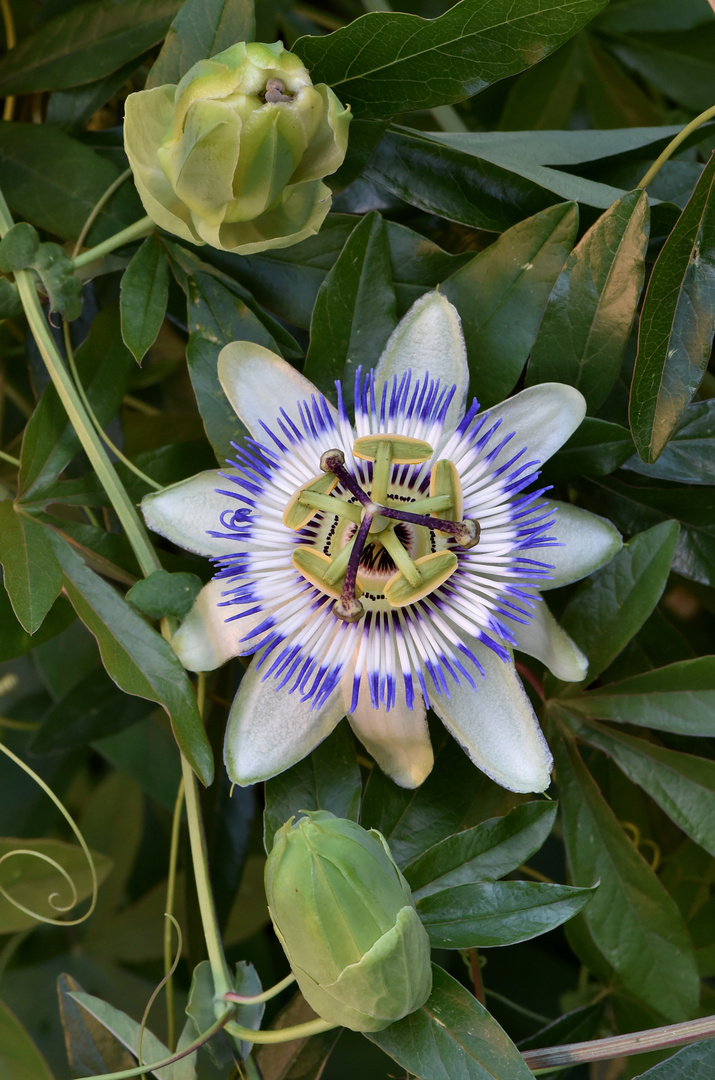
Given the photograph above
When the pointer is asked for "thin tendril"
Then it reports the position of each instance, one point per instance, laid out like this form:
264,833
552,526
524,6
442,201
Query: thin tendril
170,893
45,858
102,201
98,427
157,990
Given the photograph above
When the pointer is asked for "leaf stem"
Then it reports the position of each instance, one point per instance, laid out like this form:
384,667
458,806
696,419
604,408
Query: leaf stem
10,459
97,426
77,413
637,1042
222,981
170,895
256,999
673,145
125,236
102,201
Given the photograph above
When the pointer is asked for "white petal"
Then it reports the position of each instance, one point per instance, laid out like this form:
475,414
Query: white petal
429,339
398,740
543,638
204,640
588,542
258,383
496,725
269,729
183,512
542,416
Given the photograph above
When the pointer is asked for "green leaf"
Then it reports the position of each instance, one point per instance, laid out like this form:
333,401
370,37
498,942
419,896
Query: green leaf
71,109
683,785
354,312
454,184
201,29
680,63
679,698
136,657
89,1051
201,1014
92,709
10,302
688,457
576,1026
18,248
677,323
216,316
590,312
610,607
489,850
147,753
29,879
33,578
126,1030
21,250
328,779
634,506
104,365
595,449
501,295
412,820
14,641
388,62
143,297
55,181
452,1037
488,913
690,1062
163,594
633,921
83,44
19,1057
288,279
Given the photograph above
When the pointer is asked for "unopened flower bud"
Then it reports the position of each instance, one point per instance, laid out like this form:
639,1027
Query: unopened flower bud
346,919
235,154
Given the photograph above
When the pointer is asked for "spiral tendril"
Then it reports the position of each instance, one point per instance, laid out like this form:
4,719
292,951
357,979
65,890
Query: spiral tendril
53,899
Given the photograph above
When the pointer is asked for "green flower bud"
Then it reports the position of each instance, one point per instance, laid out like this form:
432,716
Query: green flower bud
234,155
344,914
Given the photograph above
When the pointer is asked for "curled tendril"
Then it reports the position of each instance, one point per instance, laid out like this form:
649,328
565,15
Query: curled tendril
157,989
54,898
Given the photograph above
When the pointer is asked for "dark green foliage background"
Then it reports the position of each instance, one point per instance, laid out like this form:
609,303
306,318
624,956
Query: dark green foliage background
496,152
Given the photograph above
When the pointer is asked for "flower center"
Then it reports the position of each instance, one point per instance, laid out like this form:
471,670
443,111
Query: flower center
374,549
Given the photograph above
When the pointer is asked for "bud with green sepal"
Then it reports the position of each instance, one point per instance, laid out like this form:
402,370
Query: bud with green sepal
234,156
346,919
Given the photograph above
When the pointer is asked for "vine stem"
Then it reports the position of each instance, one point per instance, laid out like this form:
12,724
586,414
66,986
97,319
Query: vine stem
170,897
674,143
637,1042
10,42
222,981
97,207
136,231
77,413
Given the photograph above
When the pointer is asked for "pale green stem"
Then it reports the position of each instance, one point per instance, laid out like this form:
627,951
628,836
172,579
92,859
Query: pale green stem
673,145
637,1042
97,426
77,413
381,470
170,896
97,207
339,565
219,969
9,458
256,999
136,231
